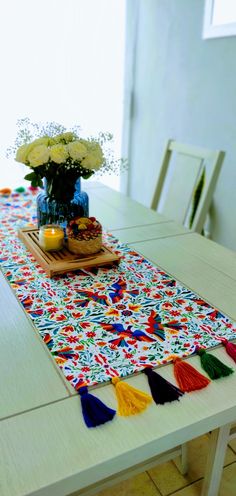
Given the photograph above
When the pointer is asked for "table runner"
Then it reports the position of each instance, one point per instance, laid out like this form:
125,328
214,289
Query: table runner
106,322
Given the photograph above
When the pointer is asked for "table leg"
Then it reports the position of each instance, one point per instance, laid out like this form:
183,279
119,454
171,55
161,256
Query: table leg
215,461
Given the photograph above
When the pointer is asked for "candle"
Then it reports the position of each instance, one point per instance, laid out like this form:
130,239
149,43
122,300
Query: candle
51,237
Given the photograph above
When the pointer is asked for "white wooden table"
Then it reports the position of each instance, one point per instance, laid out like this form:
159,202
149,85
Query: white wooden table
45,447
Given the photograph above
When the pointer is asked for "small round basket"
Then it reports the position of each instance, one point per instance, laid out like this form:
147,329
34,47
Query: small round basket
84,236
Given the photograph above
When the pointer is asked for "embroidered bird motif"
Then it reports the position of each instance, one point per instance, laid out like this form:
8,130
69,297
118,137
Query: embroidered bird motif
27,302
95,296
156,327
201,302
127,333
48,341
118,289
215,315
81,303
170,282
66,353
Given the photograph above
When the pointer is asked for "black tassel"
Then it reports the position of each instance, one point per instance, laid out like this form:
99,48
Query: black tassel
162,390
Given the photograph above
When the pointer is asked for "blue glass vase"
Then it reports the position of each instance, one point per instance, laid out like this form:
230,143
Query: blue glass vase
61,202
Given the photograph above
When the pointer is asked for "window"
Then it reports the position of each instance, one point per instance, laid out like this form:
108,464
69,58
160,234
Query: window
219,18
60,61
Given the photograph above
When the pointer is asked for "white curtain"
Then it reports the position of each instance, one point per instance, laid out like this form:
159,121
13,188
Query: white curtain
61,60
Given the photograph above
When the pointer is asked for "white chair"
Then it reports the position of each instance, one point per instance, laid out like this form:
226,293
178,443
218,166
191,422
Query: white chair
189,184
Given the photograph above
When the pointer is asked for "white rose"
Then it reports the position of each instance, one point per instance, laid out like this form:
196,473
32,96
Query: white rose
44,140
93,161
39,155
22,154
77,150
59,153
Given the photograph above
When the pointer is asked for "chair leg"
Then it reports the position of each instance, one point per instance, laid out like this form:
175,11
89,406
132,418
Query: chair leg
215,462
184,459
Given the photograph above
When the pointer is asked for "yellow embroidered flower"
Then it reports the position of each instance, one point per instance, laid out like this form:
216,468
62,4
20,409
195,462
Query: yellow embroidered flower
58,153
112,311
134,308
77,150
39,155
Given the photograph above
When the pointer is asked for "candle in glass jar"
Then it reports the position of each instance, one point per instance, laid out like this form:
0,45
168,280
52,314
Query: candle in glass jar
51,237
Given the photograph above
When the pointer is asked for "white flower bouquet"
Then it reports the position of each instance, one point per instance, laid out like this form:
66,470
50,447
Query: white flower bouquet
61,157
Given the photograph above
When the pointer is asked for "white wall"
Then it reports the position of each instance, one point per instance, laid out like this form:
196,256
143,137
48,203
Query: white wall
184,88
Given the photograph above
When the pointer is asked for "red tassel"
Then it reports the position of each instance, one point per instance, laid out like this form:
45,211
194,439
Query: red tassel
230,348
188,378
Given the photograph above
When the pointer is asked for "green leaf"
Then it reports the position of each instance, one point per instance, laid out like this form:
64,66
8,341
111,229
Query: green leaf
35,180
31,176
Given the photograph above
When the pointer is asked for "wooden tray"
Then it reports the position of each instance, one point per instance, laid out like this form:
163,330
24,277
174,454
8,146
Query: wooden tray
59,262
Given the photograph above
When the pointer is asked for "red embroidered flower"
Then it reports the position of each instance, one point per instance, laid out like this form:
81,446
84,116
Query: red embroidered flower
77,315
128,355
52,310
72,339
189,308
167,305
157,296
70,377
85,369
90,334
68,328
84,325
70,307
174,313
60,318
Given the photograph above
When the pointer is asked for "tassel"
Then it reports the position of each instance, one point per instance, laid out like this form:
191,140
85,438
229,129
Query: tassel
95,412
5,191
162,390
188,378
230,348
20,189
130,399
212,365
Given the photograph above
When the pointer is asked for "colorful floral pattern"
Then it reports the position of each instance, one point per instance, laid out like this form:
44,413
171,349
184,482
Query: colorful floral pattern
109,321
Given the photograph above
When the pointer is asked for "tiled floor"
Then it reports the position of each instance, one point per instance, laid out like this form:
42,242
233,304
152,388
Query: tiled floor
165,480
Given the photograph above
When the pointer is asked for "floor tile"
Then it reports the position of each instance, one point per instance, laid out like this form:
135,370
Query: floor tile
228,483
168,478
232,445
192,490
227,487
140,485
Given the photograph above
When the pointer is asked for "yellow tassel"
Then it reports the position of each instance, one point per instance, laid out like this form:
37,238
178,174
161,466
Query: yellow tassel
130,399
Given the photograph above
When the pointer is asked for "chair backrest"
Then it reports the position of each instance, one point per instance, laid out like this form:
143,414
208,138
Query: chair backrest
190,165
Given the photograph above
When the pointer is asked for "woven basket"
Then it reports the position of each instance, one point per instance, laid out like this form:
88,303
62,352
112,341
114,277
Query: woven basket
88,247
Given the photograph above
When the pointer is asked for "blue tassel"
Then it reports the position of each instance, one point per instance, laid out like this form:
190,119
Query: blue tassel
95,412
162,390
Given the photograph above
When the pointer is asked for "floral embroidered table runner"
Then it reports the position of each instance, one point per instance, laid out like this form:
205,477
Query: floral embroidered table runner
110,321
